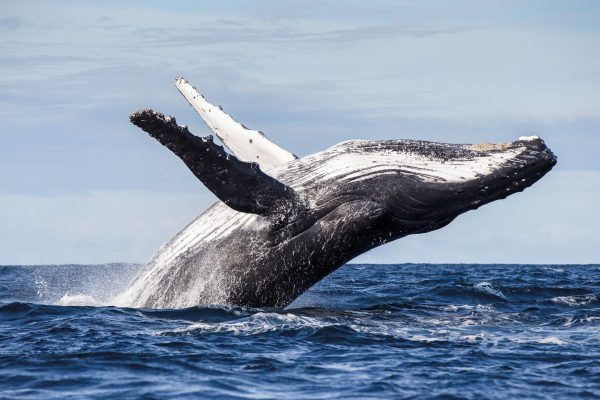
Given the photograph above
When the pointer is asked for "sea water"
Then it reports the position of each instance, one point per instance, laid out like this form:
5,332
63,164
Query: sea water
366,331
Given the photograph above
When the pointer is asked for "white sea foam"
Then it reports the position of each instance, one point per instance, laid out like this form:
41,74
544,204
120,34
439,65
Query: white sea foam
487,287
574,301
260,322
578,320
468,307
451,308
472,338
552,340
78,300
554,269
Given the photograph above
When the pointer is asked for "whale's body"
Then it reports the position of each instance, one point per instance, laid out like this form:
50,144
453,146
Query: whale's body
275,234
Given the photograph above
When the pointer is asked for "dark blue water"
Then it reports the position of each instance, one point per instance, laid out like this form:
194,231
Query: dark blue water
367,331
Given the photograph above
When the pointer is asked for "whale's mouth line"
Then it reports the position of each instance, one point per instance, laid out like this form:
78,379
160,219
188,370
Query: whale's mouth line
503,182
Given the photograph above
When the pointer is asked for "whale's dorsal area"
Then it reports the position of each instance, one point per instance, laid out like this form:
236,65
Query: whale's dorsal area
247,144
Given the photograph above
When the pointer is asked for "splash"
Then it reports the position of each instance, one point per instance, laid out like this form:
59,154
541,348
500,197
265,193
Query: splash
78,300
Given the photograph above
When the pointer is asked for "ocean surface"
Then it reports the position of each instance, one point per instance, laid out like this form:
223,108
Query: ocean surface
366,331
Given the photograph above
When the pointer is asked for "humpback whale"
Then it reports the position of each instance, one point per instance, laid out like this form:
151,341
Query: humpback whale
282,223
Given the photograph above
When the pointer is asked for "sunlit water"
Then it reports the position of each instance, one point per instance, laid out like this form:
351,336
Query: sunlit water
367,331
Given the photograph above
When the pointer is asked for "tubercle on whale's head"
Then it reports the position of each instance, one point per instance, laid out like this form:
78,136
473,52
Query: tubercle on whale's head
455,179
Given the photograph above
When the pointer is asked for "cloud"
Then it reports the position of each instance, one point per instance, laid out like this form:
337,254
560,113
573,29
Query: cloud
11,23
37,60
251,31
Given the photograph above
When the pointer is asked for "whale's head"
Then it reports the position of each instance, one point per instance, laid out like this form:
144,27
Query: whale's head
421,186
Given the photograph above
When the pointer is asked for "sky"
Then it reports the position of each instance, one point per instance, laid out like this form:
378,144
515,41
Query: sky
80,184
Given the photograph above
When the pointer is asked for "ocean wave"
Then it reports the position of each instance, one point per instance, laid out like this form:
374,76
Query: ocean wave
576,300
549,340
487,287
578,320
468,292
552,340
208,313
254,324
400,331
468,307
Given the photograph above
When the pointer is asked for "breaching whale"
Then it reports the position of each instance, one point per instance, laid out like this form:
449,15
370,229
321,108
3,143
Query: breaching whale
282,223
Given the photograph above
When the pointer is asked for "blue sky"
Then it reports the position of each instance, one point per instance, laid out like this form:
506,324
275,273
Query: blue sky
80,184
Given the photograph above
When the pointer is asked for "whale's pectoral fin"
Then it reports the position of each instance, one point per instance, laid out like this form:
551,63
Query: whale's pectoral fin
240,185
246,144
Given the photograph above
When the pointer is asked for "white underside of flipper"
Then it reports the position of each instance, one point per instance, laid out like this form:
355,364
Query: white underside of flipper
246,144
